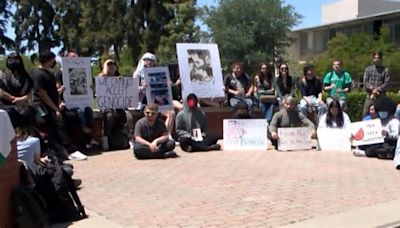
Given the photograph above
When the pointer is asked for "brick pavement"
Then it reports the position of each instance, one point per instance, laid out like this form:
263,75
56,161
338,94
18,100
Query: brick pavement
232,189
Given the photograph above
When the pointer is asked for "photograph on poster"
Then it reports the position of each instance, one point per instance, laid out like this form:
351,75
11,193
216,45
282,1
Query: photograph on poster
77,81
158,89
200,65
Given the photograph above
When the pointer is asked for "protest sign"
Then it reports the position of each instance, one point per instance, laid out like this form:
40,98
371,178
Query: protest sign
158,89
117,92
334,139
249,134
366,132
294,138
200,70
77,80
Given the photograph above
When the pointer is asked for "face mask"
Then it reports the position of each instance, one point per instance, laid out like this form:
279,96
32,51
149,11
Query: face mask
383,115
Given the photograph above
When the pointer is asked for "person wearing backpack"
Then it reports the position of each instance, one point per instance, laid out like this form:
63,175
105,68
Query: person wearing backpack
337,83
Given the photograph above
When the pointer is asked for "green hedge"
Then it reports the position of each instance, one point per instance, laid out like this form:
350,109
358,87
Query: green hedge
355,103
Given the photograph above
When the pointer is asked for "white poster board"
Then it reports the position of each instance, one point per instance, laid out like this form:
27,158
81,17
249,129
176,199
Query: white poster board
366,132
200,70
77,80
294,138
117,92
245,134
334,139
158,89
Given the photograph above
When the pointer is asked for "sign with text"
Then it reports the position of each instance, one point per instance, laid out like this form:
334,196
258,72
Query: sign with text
366,132
158,89
200,70
294,138
117,92
334,139
77,80
249,134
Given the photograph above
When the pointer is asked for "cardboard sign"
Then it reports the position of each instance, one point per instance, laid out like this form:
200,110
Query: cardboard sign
117,92
158,89
77,80
334,139
367,132
294,138
245,134
200,70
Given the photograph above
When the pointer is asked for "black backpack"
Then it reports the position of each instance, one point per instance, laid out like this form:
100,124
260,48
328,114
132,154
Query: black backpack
58,190
28,208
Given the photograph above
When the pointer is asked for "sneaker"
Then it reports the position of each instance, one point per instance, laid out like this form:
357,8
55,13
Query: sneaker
170,154
130,145
215,147
358,153
77,183
77,155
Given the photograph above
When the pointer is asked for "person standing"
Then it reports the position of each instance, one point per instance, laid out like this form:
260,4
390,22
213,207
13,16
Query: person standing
376,80
337,83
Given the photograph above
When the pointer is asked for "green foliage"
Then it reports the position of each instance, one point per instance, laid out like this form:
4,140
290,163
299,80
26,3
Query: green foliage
356,53
250,31
355,103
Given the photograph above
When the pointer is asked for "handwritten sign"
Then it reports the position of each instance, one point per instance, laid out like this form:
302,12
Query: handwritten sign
294,138
117,92
249,134
366,132
77,80
158,90
334,139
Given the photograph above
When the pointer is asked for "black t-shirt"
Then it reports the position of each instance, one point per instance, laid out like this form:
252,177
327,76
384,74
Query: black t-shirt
45,80
310,87
17,86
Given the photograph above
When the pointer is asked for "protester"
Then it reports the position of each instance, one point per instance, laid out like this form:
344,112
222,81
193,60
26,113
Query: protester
334,117
240,111
284,84
191,128
263,88
372,114
288,116
151,136
338,83
385,108
238,86
16,87
376,80
46,100
311,92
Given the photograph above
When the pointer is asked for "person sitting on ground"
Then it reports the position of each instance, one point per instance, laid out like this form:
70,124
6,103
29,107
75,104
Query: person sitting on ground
238,86
191,128
334,117
288,116
151,136
385,108
240,111
372,114
311,92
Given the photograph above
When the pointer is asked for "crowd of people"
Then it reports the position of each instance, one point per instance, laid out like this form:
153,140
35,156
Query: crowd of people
46,127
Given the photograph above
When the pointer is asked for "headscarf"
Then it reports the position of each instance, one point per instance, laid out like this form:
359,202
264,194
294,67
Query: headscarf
140,66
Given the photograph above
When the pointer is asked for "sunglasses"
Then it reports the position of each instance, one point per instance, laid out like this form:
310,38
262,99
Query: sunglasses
148,60
284,68
110,63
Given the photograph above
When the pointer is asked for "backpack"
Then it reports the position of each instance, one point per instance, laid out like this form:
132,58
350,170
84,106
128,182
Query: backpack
28,208
58,190
119,140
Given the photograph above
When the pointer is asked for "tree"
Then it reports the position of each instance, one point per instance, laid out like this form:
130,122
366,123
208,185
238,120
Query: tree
33,22
4,15
180,29
250,31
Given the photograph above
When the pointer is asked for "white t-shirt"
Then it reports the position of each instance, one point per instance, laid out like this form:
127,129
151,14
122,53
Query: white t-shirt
7,134
28,149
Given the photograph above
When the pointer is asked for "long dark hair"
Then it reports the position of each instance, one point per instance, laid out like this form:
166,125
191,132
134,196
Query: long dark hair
268,73
21,71
289,82
339,118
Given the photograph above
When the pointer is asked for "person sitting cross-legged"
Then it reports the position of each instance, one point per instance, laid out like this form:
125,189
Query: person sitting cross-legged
191,127
151,136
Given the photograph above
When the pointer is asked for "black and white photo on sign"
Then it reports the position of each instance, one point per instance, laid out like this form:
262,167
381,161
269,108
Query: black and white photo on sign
158,89
200,70
78,82
200,65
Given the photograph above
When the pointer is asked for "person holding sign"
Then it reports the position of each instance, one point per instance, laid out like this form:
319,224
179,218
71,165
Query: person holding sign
288,116
151,136
191,127
390,131
334,117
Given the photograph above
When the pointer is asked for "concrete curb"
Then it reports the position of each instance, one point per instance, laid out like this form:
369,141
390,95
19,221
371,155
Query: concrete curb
94,220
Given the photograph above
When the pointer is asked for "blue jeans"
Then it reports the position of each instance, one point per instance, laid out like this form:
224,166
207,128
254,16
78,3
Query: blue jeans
267,109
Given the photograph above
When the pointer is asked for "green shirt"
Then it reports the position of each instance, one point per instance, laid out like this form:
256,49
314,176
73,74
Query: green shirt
341,81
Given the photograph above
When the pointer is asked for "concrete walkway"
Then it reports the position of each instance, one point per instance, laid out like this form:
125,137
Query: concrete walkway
239,189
